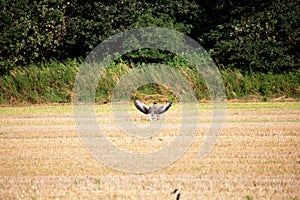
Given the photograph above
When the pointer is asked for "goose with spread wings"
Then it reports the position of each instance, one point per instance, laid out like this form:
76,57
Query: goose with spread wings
153,110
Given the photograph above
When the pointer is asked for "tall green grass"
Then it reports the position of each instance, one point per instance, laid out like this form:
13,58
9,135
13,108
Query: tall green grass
262,85
52,82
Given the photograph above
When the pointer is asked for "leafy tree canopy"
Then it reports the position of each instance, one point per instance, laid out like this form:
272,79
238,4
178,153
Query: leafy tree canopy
246,35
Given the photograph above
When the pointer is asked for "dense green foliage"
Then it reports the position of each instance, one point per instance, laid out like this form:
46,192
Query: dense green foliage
247,35
53,82
259,36
254,43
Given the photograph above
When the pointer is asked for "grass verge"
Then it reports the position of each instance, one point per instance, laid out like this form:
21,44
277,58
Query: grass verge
52,82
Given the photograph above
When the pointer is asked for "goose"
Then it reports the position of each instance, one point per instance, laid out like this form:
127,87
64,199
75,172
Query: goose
153,110
177,192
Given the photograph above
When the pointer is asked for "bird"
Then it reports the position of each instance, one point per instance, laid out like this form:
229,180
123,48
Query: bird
177,192
153,110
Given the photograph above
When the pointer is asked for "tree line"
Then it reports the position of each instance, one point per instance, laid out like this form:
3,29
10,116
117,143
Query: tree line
250,36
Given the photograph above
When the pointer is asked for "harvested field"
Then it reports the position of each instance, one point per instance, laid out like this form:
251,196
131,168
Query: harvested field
256,157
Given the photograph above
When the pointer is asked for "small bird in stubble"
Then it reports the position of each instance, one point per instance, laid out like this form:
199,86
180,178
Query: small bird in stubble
177,192
153,110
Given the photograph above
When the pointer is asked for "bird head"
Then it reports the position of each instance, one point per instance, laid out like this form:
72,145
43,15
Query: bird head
177,192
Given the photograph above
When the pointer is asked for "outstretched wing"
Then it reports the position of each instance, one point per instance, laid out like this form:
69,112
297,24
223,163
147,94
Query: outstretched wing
141,107
163,108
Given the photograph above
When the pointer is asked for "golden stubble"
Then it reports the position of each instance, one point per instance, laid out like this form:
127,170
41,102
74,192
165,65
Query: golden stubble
256,156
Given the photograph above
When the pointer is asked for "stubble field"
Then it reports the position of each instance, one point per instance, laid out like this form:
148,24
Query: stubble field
256,157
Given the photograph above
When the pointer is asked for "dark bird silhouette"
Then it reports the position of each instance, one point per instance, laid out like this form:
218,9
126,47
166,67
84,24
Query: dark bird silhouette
153,110
177,192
